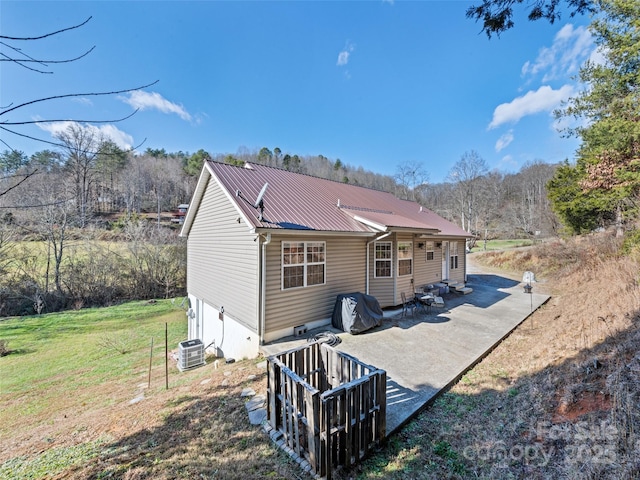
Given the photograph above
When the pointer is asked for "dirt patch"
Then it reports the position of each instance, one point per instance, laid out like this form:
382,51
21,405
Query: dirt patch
589,402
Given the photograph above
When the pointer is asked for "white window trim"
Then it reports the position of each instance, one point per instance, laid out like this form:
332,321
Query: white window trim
430,247
400,259
376,260
305,264
453,256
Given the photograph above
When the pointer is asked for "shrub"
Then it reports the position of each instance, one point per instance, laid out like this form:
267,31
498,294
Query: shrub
120,342
631,242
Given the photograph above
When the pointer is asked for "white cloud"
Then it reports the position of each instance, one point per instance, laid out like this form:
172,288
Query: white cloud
108,131
545,99
571,47
598,56
507,163
154,101
82,101
504,141
120,138
343,56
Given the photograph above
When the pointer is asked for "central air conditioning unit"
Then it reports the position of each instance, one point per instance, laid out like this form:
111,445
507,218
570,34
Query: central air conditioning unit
190,354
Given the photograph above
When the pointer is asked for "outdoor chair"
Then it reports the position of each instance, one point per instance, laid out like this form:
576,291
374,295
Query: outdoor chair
424,301
408,304
438,302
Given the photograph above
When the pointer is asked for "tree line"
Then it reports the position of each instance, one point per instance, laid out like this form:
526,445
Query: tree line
91,182
89,190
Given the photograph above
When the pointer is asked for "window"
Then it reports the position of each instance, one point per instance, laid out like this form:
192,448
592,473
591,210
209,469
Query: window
382,259
453,256
430,250
303,264
405,258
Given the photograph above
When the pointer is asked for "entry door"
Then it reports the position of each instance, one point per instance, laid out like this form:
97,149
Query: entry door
445,260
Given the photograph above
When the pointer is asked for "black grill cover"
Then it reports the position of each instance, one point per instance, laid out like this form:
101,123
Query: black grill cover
356,313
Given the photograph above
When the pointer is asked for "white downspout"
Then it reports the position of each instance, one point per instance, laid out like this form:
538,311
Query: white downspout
369,243
263,288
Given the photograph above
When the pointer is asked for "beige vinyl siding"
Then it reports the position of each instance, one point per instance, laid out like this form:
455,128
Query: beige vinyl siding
427,271
344,273
463,260
383,288
404,283
222,258
388,290
457,274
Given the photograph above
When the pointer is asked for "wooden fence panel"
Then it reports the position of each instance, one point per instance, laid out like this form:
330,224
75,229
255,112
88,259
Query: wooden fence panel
325,408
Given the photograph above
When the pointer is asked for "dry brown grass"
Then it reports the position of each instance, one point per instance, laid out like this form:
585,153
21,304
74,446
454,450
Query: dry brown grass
200,431
555,258
198,428
559,398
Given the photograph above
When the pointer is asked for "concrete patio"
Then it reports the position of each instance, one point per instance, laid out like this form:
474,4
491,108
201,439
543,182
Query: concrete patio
426,353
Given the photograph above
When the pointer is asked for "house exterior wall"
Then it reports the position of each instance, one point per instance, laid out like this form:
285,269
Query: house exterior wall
404,283
221,334
458,274
388,290
384,289
427,271
313,305
222,266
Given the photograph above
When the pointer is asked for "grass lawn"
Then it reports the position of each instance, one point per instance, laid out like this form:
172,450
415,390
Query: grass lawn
76,401
55,354
493,245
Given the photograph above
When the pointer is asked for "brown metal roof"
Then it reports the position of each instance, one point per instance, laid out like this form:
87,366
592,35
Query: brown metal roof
302,202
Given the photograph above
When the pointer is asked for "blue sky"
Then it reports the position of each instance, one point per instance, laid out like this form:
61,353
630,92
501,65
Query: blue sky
373,83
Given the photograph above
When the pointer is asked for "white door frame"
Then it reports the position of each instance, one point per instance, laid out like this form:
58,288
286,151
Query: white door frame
445,260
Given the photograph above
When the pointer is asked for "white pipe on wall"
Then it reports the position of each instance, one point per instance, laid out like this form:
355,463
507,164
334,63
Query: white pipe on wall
263,287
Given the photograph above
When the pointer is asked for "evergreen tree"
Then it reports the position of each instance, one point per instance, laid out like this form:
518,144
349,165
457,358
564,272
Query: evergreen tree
604,184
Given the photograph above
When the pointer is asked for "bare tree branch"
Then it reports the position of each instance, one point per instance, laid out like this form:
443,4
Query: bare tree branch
56,144
21,61
4,123
72,95
67,120
14,54
26,177
47,34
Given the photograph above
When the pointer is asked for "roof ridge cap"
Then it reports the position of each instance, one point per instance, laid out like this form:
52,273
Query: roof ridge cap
365,209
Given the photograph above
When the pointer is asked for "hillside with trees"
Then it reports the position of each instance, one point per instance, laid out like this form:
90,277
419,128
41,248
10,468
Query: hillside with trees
88,192
103,181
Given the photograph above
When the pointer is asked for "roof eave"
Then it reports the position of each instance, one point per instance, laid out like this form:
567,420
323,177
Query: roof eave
195,200
371,224
317,233
205,175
